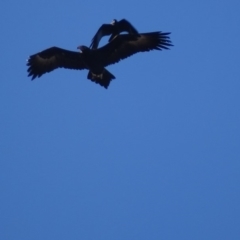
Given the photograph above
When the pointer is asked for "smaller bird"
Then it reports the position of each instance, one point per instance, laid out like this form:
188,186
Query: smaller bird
113,29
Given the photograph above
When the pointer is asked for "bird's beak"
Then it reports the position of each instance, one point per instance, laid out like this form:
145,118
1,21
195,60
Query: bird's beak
113,22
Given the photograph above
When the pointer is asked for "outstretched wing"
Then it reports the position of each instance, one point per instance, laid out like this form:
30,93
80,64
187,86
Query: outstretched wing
124,26
104,30
52,58
125,45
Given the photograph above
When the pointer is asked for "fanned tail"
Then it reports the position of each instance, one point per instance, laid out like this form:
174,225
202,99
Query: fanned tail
103,79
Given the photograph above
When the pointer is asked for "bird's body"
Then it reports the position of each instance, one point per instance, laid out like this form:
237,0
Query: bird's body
95,60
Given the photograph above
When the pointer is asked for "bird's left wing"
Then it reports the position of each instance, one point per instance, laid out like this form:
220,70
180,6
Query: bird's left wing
52,58
125,45
104,30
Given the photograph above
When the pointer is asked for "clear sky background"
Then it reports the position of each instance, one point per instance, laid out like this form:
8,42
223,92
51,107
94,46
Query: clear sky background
156,156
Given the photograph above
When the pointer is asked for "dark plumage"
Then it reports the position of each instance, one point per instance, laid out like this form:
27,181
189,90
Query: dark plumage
113,29
96,60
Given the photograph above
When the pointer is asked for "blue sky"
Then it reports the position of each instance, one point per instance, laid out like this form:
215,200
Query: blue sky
156,156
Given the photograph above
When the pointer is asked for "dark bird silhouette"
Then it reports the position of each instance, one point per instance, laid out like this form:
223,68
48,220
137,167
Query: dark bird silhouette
96,60
113,29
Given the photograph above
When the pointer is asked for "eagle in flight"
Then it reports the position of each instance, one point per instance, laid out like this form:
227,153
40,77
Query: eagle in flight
119,47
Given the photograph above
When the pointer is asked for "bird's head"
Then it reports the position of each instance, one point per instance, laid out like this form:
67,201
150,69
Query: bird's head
83,48
113,22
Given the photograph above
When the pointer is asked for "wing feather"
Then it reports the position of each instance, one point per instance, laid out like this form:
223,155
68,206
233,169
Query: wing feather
53,58
125,45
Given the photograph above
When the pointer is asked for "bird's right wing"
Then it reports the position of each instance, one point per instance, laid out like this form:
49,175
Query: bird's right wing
52,58
125,45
